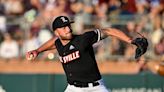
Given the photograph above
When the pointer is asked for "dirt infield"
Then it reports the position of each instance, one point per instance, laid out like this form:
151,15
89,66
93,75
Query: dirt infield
52,67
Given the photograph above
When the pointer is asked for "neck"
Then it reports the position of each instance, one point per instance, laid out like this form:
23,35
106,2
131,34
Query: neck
64,42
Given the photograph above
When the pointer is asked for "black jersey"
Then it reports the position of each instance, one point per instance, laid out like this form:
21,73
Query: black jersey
78,57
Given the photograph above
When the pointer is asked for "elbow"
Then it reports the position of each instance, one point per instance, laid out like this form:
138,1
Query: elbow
111,31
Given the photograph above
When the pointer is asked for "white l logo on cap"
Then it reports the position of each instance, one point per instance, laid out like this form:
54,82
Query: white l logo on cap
63,19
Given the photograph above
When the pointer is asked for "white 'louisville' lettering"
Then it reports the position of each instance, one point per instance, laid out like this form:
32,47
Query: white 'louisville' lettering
70,57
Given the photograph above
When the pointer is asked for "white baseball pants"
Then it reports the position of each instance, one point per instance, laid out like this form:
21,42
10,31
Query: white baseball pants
99,88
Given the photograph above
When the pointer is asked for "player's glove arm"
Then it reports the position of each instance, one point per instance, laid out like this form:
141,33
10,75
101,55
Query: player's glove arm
141,43
115,33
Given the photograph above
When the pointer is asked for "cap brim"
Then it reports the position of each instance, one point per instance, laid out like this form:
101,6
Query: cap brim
68,23
71,22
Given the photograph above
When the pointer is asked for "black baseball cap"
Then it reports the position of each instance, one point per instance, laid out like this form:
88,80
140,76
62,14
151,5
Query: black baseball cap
61,21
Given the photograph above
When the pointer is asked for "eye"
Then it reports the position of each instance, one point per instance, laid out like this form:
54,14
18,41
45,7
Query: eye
65,27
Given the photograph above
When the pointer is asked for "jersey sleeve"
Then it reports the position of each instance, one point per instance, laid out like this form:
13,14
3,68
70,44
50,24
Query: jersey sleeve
92,37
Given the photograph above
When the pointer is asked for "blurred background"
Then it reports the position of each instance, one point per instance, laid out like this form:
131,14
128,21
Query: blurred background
26,24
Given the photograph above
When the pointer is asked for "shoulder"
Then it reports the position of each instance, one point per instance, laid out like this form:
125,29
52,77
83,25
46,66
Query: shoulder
92,32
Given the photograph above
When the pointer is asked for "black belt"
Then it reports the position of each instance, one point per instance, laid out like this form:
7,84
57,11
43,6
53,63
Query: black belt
77,84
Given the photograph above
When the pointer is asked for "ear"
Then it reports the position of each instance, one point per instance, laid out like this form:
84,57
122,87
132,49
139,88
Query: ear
56,33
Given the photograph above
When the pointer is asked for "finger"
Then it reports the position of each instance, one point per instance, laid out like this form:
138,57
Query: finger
34,55
27,55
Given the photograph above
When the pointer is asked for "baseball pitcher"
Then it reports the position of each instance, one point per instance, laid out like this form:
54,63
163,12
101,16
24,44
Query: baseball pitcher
77,56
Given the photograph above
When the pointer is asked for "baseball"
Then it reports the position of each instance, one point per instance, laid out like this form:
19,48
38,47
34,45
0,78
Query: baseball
50,55
30,57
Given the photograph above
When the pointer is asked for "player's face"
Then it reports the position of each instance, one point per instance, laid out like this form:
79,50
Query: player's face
65,33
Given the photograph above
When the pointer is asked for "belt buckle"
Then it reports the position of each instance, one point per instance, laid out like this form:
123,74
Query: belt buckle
90,84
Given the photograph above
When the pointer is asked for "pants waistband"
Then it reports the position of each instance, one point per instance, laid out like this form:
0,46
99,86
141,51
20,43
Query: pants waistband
90,84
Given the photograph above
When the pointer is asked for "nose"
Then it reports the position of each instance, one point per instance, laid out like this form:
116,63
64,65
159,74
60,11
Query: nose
68,29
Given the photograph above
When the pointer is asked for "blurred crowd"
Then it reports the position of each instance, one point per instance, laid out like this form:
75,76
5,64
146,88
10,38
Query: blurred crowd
26,24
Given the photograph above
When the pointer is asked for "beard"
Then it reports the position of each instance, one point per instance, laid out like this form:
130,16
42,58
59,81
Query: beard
67,36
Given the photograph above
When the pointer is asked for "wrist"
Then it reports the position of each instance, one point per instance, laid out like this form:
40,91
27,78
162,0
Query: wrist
130,41
37,51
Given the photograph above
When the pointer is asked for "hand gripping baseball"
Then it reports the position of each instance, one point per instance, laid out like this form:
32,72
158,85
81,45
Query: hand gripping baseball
31,55
142,45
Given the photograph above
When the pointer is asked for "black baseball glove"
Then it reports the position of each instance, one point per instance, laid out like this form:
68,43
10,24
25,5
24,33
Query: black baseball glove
142,45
